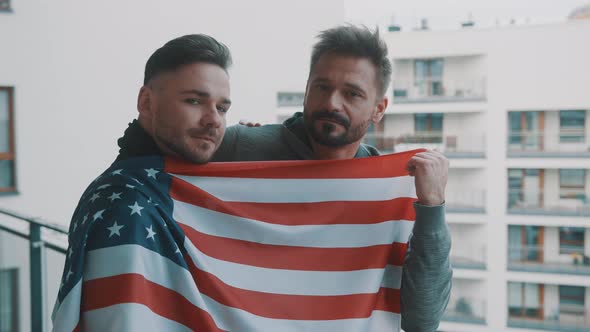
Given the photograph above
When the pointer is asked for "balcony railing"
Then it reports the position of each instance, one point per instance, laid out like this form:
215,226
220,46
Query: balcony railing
453,146
40,235
562,318
537,259
535,203
566,143
465,310
437,89
469,258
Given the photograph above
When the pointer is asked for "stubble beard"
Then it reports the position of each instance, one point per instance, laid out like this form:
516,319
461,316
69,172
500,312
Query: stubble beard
324,136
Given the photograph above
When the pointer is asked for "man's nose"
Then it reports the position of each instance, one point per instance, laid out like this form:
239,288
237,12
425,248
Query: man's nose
211,116
334,101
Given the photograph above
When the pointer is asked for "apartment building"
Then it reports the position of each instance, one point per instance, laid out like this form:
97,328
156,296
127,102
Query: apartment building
510,107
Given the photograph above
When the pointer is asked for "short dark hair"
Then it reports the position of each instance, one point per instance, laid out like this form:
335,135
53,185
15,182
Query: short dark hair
186,50
355,41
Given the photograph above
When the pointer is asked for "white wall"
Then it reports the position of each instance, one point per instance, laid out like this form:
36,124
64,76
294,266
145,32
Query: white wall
466,185
470,244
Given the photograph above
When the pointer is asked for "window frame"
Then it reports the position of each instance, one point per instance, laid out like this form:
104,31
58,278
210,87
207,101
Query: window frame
10,155
8,8
572,191
569,133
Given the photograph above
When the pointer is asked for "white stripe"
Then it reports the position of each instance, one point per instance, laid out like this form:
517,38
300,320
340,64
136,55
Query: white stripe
66,316
129,317
340,236
303,190
164,272
244,276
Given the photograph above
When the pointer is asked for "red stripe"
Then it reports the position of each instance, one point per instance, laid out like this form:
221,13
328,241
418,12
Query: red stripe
77,328
290,257
398,254
134,288
372,167
295,307
290,214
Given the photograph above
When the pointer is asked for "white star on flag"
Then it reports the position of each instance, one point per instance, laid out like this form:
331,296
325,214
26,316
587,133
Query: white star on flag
151,233
115,229
151,173
129,186
98,215
94,197
135,208
103,186
114,196
117,172
177,250
69,274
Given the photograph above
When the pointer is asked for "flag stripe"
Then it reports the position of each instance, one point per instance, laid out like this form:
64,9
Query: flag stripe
295,307
343,236
289,257
324,213
377,167
303,190
67,314
129,317
134,288
161,270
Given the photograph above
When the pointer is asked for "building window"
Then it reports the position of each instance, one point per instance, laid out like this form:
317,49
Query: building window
526,130
571,240
571,300
7,155
572,184
524,300
428,127
5,6
286,99
428,77
9,300
572,126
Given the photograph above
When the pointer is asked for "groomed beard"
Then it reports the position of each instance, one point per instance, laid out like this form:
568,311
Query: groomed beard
175,143
324,135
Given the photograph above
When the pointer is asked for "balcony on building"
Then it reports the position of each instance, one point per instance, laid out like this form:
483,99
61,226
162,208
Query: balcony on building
466,192
439,80
457,135
552,192
470,251
464,304
549,134
548,307
564,250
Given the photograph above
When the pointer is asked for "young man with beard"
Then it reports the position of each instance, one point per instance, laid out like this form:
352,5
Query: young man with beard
124,244
345,94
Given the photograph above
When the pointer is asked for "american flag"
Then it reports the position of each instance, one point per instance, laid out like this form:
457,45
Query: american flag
161,245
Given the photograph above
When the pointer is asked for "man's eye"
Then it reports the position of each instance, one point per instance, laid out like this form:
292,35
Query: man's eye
354,94
322,87
222,109
192,101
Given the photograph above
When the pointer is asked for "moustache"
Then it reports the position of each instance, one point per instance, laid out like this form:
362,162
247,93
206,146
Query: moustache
332,116
204,132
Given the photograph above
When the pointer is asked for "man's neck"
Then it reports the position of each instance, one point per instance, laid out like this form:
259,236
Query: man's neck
330,152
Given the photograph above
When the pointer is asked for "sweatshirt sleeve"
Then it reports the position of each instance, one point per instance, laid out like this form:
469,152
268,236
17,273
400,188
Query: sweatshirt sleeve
427,273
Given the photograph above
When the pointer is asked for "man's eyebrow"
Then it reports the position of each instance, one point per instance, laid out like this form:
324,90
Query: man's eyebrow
356,87
203,94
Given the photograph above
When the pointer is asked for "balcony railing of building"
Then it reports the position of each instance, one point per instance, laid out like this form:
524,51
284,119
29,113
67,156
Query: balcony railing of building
562,318
468,258
40,236
453,146
465,310
535,203
437,90
565,143
537,259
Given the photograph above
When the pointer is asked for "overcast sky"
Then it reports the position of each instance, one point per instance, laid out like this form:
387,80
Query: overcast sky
448,14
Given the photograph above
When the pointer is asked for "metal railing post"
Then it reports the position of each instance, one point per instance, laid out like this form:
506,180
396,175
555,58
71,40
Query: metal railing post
37,271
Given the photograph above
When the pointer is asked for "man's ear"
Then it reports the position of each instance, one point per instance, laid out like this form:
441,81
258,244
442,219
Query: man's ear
380,110
144,102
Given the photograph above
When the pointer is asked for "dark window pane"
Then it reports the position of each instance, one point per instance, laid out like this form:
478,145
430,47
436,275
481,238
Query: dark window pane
4,124
571,126
571,240
6,174
4,5
515,128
